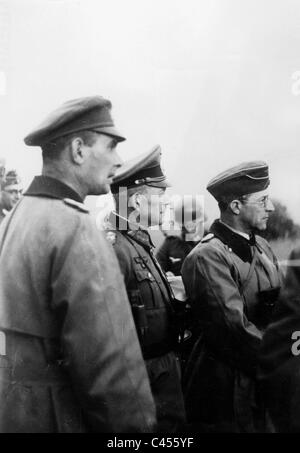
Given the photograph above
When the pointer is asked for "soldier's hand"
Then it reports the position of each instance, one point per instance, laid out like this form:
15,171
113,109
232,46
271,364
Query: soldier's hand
170,274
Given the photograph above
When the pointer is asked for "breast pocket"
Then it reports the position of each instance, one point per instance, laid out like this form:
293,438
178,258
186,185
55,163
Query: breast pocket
148,288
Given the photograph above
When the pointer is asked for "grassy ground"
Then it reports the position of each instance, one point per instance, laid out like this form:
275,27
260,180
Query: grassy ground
283,247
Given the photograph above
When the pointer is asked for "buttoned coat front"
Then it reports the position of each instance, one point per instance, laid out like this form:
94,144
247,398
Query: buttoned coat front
280,354
231,315
70,356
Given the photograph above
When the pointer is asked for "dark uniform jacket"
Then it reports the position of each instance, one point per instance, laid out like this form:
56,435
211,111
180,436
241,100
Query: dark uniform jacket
173,252
280,354
147,288
232,304
151,302
70,358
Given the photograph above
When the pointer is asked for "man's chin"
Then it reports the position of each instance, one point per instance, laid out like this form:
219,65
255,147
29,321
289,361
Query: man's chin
101,190
262,227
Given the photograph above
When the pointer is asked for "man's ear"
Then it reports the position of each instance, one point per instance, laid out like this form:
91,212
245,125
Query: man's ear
78,150
134,201
235,206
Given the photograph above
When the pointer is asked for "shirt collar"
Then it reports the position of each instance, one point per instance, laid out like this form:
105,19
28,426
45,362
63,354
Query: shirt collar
244,235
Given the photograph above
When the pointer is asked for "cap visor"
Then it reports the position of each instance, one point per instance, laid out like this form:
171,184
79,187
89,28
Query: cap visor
162,184
112,131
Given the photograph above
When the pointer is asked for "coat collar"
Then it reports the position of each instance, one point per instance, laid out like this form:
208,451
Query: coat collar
133,230
239,245
45,186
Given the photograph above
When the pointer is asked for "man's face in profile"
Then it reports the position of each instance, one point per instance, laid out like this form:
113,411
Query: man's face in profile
10,196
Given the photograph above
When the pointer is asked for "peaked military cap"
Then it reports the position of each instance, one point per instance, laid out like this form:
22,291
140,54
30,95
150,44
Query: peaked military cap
243,179
12,180
144,169
87,113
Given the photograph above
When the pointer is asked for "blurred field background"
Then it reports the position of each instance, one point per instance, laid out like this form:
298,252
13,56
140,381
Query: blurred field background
282,233
282,247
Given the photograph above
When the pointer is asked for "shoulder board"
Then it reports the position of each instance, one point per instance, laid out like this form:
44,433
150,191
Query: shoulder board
111,236
76,204
207,238
261,240
264,244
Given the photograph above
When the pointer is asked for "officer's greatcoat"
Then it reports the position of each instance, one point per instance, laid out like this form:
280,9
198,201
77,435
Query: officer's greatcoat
232,284
280,354
70,357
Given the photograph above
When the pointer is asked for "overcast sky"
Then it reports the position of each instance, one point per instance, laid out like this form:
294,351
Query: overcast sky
214,82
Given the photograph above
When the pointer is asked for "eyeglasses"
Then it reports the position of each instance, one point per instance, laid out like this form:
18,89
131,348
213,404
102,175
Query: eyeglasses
263,202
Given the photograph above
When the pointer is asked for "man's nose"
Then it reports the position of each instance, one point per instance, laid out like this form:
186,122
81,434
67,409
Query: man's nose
17,196
117,161
270,207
